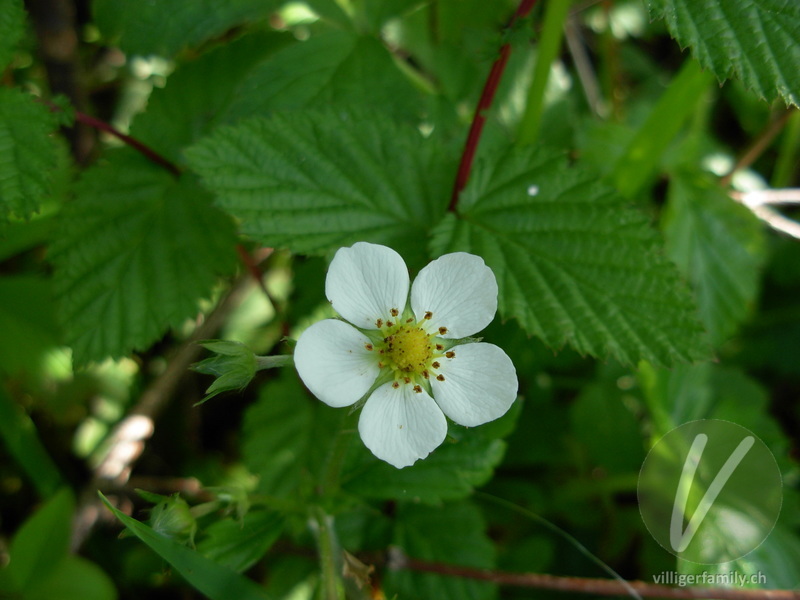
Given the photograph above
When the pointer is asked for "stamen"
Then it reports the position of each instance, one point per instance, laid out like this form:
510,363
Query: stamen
425,374
380,365
450,354
439,347
389,324
409,320
369,347
417,389
435,364
428,315
379,323
394,312
395,384
406,380
442,330
440,377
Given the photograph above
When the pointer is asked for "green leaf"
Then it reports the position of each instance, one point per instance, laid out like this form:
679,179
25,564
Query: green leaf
196,94
454,534
74,578
214,580
574,263
755,40
168,26
42,541
138,249
29,153
22,440
27,320
318,180
238,545
333,68
719,246
12,27
451,472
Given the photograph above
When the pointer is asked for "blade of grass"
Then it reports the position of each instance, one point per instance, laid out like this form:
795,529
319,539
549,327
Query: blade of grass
638,164
212,579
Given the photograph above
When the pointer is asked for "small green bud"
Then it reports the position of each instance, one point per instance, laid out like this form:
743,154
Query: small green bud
172,517
234,365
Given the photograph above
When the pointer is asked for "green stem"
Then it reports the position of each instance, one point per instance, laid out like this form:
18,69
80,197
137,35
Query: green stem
330,480
329,555
786,164
548,49
271,362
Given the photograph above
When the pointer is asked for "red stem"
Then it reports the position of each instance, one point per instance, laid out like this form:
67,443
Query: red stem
485,102
128,140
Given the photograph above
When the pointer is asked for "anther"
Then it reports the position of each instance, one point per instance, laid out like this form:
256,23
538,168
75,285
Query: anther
425,374
409,320
417,389
380,365
440,377
450,354
439,347
428,315
395,384
389,324
442,330
435,364
394,312
406,380
368,347
379,323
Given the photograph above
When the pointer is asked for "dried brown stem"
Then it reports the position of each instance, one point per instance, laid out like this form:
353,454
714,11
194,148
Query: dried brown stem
582,585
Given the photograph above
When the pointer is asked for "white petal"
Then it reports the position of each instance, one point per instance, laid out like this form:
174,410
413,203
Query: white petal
480,384
365,282
461,292
334,363
400,425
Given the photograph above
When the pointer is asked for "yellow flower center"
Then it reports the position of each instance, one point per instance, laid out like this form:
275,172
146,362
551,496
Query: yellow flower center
410,349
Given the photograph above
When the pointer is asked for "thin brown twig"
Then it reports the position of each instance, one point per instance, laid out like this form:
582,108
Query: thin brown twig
484,104
584,585
759,145
128,438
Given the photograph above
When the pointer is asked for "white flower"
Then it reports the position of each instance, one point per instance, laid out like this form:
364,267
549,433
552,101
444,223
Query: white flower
411,358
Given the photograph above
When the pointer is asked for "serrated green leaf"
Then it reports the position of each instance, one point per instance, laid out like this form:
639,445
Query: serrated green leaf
454,535
12,26
574,263
138,249
29,155
755,40
317,180
283,434
213,580
333,68
719,246
168,26
22,441
451,472
238,545
196,94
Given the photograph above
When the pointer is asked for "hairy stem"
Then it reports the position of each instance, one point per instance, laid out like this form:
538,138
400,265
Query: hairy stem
485,102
